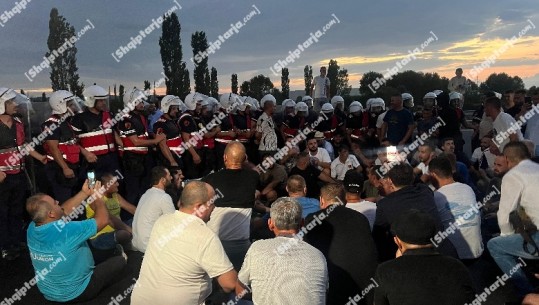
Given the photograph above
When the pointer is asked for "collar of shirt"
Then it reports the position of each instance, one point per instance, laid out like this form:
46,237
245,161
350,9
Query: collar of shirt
421,251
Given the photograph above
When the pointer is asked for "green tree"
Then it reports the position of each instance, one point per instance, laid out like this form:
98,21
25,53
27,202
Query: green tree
64,72
343,88
502,82
366,80
201,73
245,89
285,83
177,75
308,77
234,85
147,85
259,86
214,83
333,75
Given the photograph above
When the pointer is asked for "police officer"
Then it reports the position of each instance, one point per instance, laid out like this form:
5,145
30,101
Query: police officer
135,140
170,150
229,102
13,182
95,130
330,123
207,115
192,152
357,123
338,104
61,146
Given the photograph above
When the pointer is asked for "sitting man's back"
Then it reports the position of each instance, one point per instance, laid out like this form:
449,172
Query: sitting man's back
284,270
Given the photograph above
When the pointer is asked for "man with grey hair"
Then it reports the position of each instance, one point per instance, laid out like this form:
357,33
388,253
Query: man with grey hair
183,254
284,270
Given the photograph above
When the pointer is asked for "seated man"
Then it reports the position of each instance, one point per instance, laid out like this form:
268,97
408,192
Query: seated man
311,174
419,274
183,254
344,237
519,188
456,202
53,240
372,186
272,181
285,269
153,203
344,163
319,156
353,184
296,188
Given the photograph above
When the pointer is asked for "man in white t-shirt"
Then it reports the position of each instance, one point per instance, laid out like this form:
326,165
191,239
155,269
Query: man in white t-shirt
284,269
345,162
320,89
482,157
153,203
504,125
458,82
427,152
184,255
456,202
319,156
353,184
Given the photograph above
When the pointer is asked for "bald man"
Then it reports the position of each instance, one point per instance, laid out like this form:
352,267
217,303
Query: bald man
235,190
183,254
53,239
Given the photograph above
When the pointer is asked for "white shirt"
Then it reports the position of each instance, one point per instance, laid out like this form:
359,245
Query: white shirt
266,126
454,202
295,275
322,155
423,167
339,169
519,186
231,223
183,256
320,84
153,203
485,126
502,124
532,128
455,82
366,208
380,121
478,155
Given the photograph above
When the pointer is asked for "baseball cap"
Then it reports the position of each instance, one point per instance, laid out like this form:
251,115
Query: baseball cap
414,227
353,182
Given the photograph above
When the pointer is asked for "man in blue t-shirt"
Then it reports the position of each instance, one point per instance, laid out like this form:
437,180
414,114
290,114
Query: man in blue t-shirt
296,188
398,122
59,250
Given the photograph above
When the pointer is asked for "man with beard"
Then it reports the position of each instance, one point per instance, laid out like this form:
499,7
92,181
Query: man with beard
426,154
398,122
168,125
154,203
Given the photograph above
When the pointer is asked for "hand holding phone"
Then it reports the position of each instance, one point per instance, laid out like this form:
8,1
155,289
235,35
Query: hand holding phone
91,179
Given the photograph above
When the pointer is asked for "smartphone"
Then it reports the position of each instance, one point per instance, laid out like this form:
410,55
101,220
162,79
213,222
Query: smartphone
528,100
91,179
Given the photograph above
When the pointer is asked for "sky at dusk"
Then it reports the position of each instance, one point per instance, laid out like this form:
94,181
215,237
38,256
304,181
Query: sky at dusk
361,35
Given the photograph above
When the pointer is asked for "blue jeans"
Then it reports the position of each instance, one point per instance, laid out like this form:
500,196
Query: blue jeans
506,250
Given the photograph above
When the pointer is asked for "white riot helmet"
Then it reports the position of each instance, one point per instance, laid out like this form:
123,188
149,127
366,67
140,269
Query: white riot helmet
192,99
289,103
455,99
429,100
337,99
59,101
170,100
377,105
255,103
307,100
6,94
327,108
213,104
228,100
93,93
438,92
302,107
355,106
268,98
133,97
408,100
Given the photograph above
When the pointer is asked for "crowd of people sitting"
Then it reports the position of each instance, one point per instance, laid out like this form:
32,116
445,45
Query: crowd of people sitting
230,201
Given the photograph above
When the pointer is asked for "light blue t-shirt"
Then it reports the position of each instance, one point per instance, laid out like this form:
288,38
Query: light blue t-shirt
61,257
308,205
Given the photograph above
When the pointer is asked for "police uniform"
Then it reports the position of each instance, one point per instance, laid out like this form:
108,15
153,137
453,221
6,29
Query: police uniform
14,188
135,161
329,126
188,124
172,131
96,135
210,155
63,188
227,124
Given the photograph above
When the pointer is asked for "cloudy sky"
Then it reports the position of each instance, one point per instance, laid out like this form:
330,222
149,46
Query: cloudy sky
362,35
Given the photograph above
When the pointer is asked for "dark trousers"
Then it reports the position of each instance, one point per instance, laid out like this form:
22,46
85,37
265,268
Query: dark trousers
192,170
220,152
13,192
136,176
62,188
104,275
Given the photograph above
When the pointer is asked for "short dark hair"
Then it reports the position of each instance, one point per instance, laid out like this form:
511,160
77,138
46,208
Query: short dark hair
106,177
401,174
494,102
447,139
516,151
157,173
521,91
332,191
509,91
295,184
344,147
430,145
458,70
441,166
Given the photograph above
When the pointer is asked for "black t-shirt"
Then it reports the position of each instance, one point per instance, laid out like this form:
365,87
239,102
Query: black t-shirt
169,127
344,237
63,134
8,135
133,125
87,121
235,188
310,174
188,124
513,111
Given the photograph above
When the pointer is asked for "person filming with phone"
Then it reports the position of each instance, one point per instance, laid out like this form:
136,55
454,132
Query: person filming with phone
60,246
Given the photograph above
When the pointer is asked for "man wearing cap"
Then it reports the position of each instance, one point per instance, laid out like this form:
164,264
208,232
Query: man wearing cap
344,163
419,274
320,89
344,237
353,184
